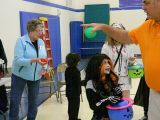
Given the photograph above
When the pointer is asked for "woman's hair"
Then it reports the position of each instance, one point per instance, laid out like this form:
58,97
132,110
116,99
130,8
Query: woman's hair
72,59
115,25
32,25
93,69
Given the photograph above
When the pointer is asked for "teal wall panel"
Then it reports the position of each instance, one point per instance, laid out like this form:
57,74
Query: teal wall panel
98,13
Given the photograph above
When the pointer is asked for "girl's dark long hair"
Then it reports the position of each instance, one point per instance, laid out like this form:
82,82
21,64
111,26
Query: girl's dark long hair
93,69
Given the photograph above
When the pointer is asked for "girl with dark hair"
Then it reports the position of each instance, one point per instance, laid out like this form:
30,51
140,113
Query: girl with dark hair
73,85
102,86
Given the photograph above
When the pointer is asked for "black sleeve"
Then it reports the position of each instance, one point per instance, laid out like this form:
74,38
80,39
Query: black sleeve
67,77
93,99
77,81
73,75
77,78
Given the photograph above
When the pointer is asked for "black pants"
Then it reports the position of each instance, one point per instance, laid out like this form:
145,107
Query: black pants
73,107
142,96
145,92
3,99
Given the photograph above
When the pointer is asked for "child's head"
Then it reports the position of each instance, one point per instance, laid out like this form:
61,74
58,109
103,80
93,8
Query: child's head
72,59
99,65
112,41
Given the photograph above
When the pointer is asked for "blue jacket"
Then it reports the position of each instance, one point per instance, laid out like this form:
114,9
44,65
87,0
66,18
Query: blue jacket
23,53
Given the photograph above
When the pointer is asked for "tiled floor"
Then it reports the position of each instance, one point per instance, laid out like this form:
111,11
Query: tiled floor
51,110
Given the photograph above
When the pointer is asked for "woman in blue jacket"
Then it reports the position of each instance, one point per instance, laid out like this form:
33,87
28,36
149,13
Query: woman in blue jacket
26,69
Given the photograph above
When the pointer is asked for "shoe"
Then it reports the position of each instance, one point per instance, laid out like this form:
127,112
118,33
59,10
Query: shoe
144,118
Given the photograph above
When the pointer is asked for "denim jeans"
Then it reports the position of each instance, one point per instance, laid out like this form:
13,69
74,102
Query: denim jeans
17,86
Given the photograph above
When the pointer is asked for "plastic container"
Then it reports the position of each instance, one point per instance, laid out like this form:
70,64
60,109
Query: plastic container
136,71
44,67
44,60
121,110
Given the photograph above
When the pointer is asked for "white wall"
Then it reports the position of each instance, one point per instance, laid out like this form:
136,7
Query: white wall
130,19
10,20
59,2
10,23
76,3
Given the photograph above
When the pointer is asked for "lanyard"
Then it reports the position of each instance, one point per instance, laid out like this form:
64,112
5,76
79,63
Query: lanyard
119,58
119,53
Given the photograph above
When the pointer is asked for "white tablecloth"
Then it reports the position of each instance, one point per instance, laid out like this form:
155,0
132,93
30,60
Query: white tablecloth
5,81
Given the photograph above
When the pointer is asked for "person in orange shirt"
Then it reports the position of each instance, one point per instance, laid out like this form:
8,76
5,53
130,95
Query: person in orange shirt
147,36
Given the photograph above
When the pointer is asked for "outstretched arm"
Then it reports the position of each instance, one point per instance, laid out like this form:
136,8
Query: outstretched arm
117,34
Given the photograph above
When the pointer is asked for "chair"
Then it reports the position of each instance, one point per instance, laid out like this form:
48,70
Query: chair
61,79
50,80
51,74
